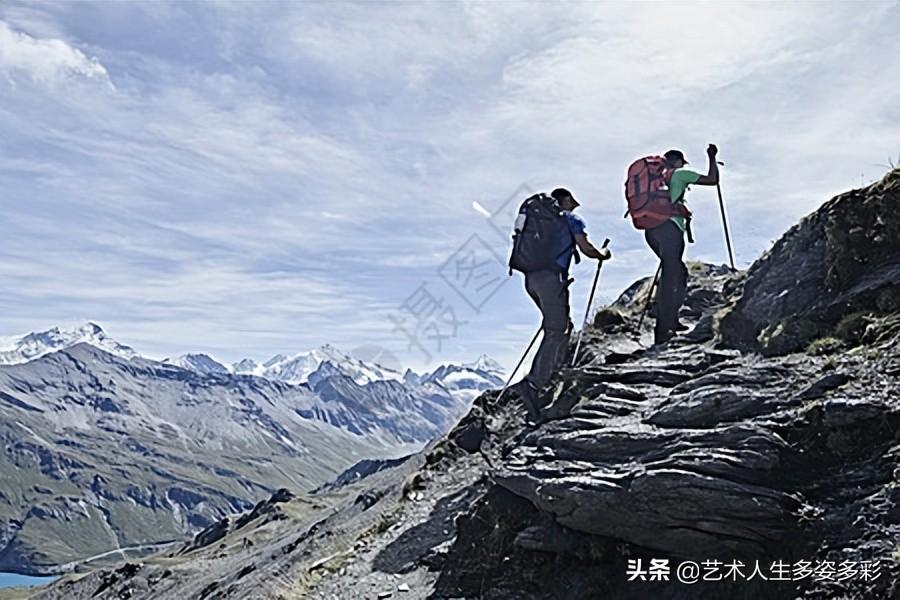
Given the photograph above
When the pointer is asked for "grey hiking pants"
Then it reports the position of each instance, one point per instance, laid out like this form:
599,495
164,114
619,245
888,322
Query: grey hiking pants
667,242
550,291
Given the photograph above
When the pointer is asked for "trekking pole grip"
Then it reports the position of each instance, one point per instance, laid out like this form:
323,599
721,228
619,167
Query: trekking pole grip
603,247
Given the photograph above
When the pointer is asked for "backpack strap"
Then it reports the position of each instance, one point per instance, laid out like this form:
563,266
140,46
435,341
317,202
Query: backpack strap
574,250
572,246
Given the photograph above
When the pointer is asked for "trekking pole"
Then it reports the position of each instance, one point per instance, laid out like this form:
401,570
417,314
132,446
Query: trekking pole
725,224
649,297
587,311
521,360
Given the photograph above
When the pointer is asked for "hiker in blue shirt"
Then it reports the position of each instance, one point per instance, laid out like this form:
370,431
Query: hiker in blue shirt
549,289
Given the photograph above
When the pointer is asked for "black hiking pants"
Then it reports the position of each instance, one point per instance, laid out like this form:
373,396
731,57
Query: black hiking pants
667,242
550,291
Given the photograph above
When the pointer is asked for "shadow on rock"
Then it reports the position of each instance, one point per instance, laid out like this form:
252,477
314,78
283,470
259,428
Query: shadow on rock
418,542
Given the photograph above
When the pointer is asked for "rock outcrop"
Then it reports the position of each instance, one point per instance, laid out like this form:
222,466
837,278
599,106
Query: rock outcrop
831,275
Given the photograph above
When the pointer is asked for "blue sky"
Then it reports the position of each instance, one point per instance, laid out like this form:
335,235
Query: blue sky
246,178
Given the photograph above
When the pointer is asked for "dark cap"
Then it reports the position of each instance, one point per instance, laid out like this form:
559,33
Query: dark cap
675,155
562,194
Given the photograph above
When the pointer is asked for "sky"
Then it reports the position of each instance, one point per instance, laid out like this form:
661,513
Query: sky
252,178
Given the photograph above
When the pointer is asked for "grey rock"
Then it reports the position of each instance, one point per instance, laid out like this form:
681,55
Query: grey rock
841,259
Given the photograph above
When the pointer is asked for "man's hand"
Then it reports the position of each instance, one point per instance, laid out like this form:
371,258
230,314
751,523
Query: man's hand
597,253
591,251
711,151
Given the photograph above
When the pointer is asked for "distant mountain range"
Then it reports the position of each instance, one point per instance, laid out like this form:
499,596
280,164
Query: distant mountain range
466,380
297,369
108,449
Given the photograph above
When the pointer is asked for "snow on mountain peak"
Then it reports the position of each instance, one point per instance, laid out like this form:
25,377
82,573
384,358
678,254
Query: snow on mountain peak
201,363
297,368
468,380
364,371
272,361
293,369
22,349
485,363
245,366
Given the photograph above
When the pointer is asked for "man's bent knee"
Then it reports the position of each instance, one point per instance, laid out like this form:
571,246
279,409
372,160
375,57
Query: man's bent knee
555,327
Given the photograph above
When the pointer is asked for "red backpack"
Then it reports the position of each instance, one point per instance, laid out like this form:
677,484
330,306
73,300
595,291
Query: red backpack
647,193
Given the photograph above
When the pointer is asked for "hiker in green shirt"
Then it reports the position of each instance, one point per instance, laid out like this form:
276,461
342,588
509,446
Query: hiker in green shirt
667,242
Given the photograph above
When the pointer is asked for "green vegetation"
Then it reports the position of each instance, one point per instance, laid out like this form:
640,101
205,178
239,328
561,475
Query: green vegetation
16,593
88,499
851,327
608,319
824,345
787,336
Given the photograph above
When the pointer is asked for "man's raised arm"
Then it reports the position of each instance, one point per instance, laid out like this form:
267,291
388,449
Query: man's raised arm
712,177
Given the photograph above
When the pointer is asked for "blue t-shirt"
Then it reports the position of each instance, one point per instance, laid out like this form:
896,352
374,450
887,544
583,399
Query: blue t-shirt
566,247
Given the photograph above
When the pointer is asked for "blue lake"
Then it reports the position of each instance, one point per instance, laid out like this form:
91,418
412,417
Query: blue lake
14,580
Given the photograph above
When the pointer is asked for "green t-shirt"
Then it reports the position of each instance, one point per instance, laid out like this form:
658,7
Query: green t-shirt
681,178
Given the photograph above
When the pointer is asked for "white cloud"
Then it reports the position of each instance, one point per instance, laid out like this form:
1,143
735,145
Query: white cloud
48,61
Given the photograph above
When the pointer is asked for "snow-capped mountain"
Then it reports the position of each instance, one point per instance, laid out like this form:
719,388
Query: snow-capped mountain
244,367
484,373
17,350
297,369
278,358
463,382
411,377
200,363
362,397
467,381
486,364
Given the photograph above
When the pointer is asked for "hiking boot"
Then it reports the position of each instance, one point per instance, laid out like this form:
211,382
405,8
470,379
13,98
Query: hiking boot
528,396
